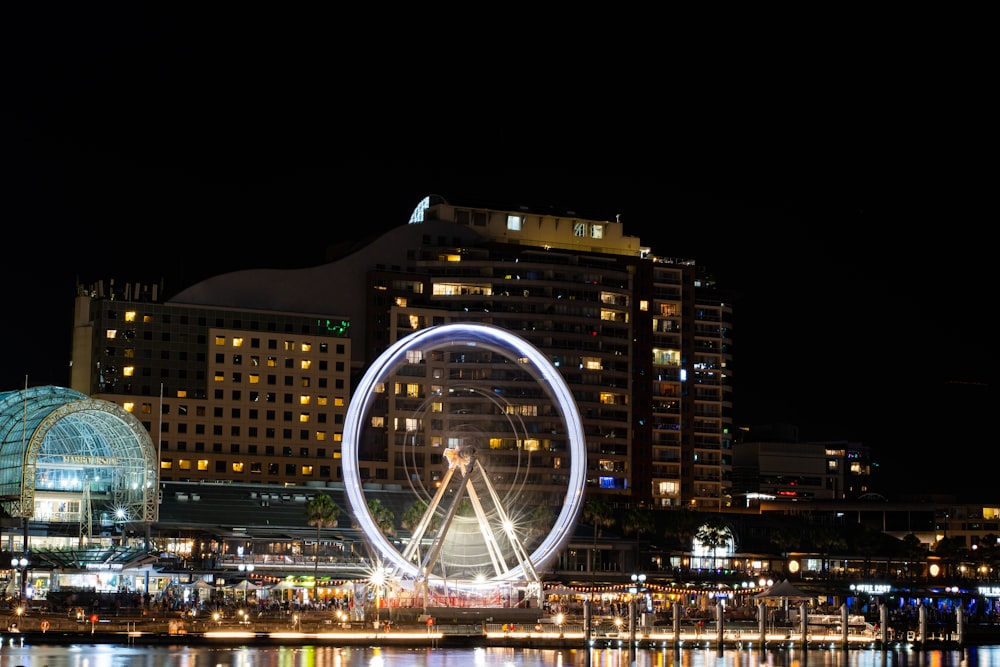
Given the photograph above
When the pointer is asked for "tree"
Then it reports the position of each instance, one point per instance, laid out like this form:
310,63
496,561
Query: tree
913,551
638,521
412,517
828,540
597,513
785,539
382,516
321,512
951,550
714,534
681,525
541,521
414,513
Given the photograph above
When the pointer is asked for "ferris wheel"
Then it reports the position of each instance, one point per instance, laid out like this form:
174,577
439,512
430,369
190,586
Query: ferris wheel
486,451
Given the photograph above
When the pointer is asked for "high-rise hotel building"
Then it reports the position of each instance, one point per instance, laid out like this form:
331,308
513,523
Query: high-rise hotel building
247,376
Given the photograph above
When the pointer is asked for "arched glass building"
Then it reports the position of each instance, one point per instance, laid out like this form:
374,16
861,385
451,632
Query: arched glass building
73,464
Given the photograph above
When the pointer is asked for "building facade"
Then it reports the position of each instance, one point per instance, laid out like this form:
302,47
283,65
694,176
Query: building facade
247,376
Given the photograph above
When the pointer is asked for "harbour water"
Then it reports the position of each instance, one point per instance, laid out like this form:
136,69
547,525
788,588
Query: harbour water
181,655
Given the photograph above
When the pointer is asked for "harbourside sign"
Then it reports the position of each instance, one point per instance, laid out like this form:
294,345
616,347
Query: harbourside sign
91,460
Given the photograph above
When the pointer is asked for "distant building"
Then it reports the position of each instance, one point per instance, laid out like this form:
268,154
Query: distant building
769,461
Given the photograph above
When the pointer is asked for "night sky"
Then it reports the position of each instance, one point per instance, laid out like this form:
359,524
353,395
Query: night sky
152,151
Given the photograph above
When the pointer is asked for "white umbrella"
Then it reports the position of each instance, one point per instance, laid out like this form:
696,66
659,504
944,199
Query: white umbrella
245,585
201,585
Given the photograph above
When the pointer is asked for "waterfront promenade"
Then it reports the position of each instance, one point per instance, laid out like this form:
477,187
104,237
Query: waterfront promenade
51,628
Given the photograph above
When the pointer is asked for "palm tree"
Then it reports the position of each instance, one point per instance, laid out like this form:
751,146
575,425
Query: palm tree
714,534
598,513
382,516
681,525
913,551
412,517
828,539
321,512
541,520
638,521
414,513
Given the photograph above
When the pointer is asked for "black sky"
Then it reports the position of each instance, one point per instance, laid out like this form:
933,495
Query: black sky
852,227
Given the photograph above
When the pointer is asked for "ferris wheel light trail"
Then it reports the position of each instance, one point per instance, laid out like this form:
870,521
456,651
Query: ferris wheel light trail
495,339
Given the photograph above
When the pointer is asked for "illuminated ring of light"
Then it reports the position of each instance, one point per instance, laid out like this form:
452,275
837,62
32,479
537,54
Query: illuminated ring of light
474,335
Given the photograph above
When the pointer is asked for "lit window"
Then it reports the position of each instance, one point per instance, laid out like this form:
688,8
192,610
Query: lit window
128,371
337,437
184,464
321,400
220,340
307,470
305,400
321,435
238,342
147,408
289,345
514,223
129,406
254,378
237,466
597,231
220,376
338,401
305,364
111,333
307,347
203,464
303,417
166,464
130,316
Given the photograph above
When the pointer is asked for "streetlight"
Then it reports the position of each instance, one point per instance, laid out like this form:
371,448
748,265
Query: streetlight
245,567
20,565
638,585
378,580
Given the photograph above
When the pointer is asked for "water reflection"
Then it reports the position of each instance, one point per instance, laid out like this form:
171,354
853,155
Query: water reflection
105,655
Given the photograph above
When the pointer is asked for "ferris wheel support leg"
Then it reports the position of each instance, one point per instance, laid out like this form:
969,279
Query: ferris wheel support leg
430,558
499,565
508,526
425,520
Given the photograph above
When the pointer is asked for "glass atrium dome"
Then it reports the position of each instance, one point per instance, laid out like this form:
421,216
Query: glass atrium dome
65,456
